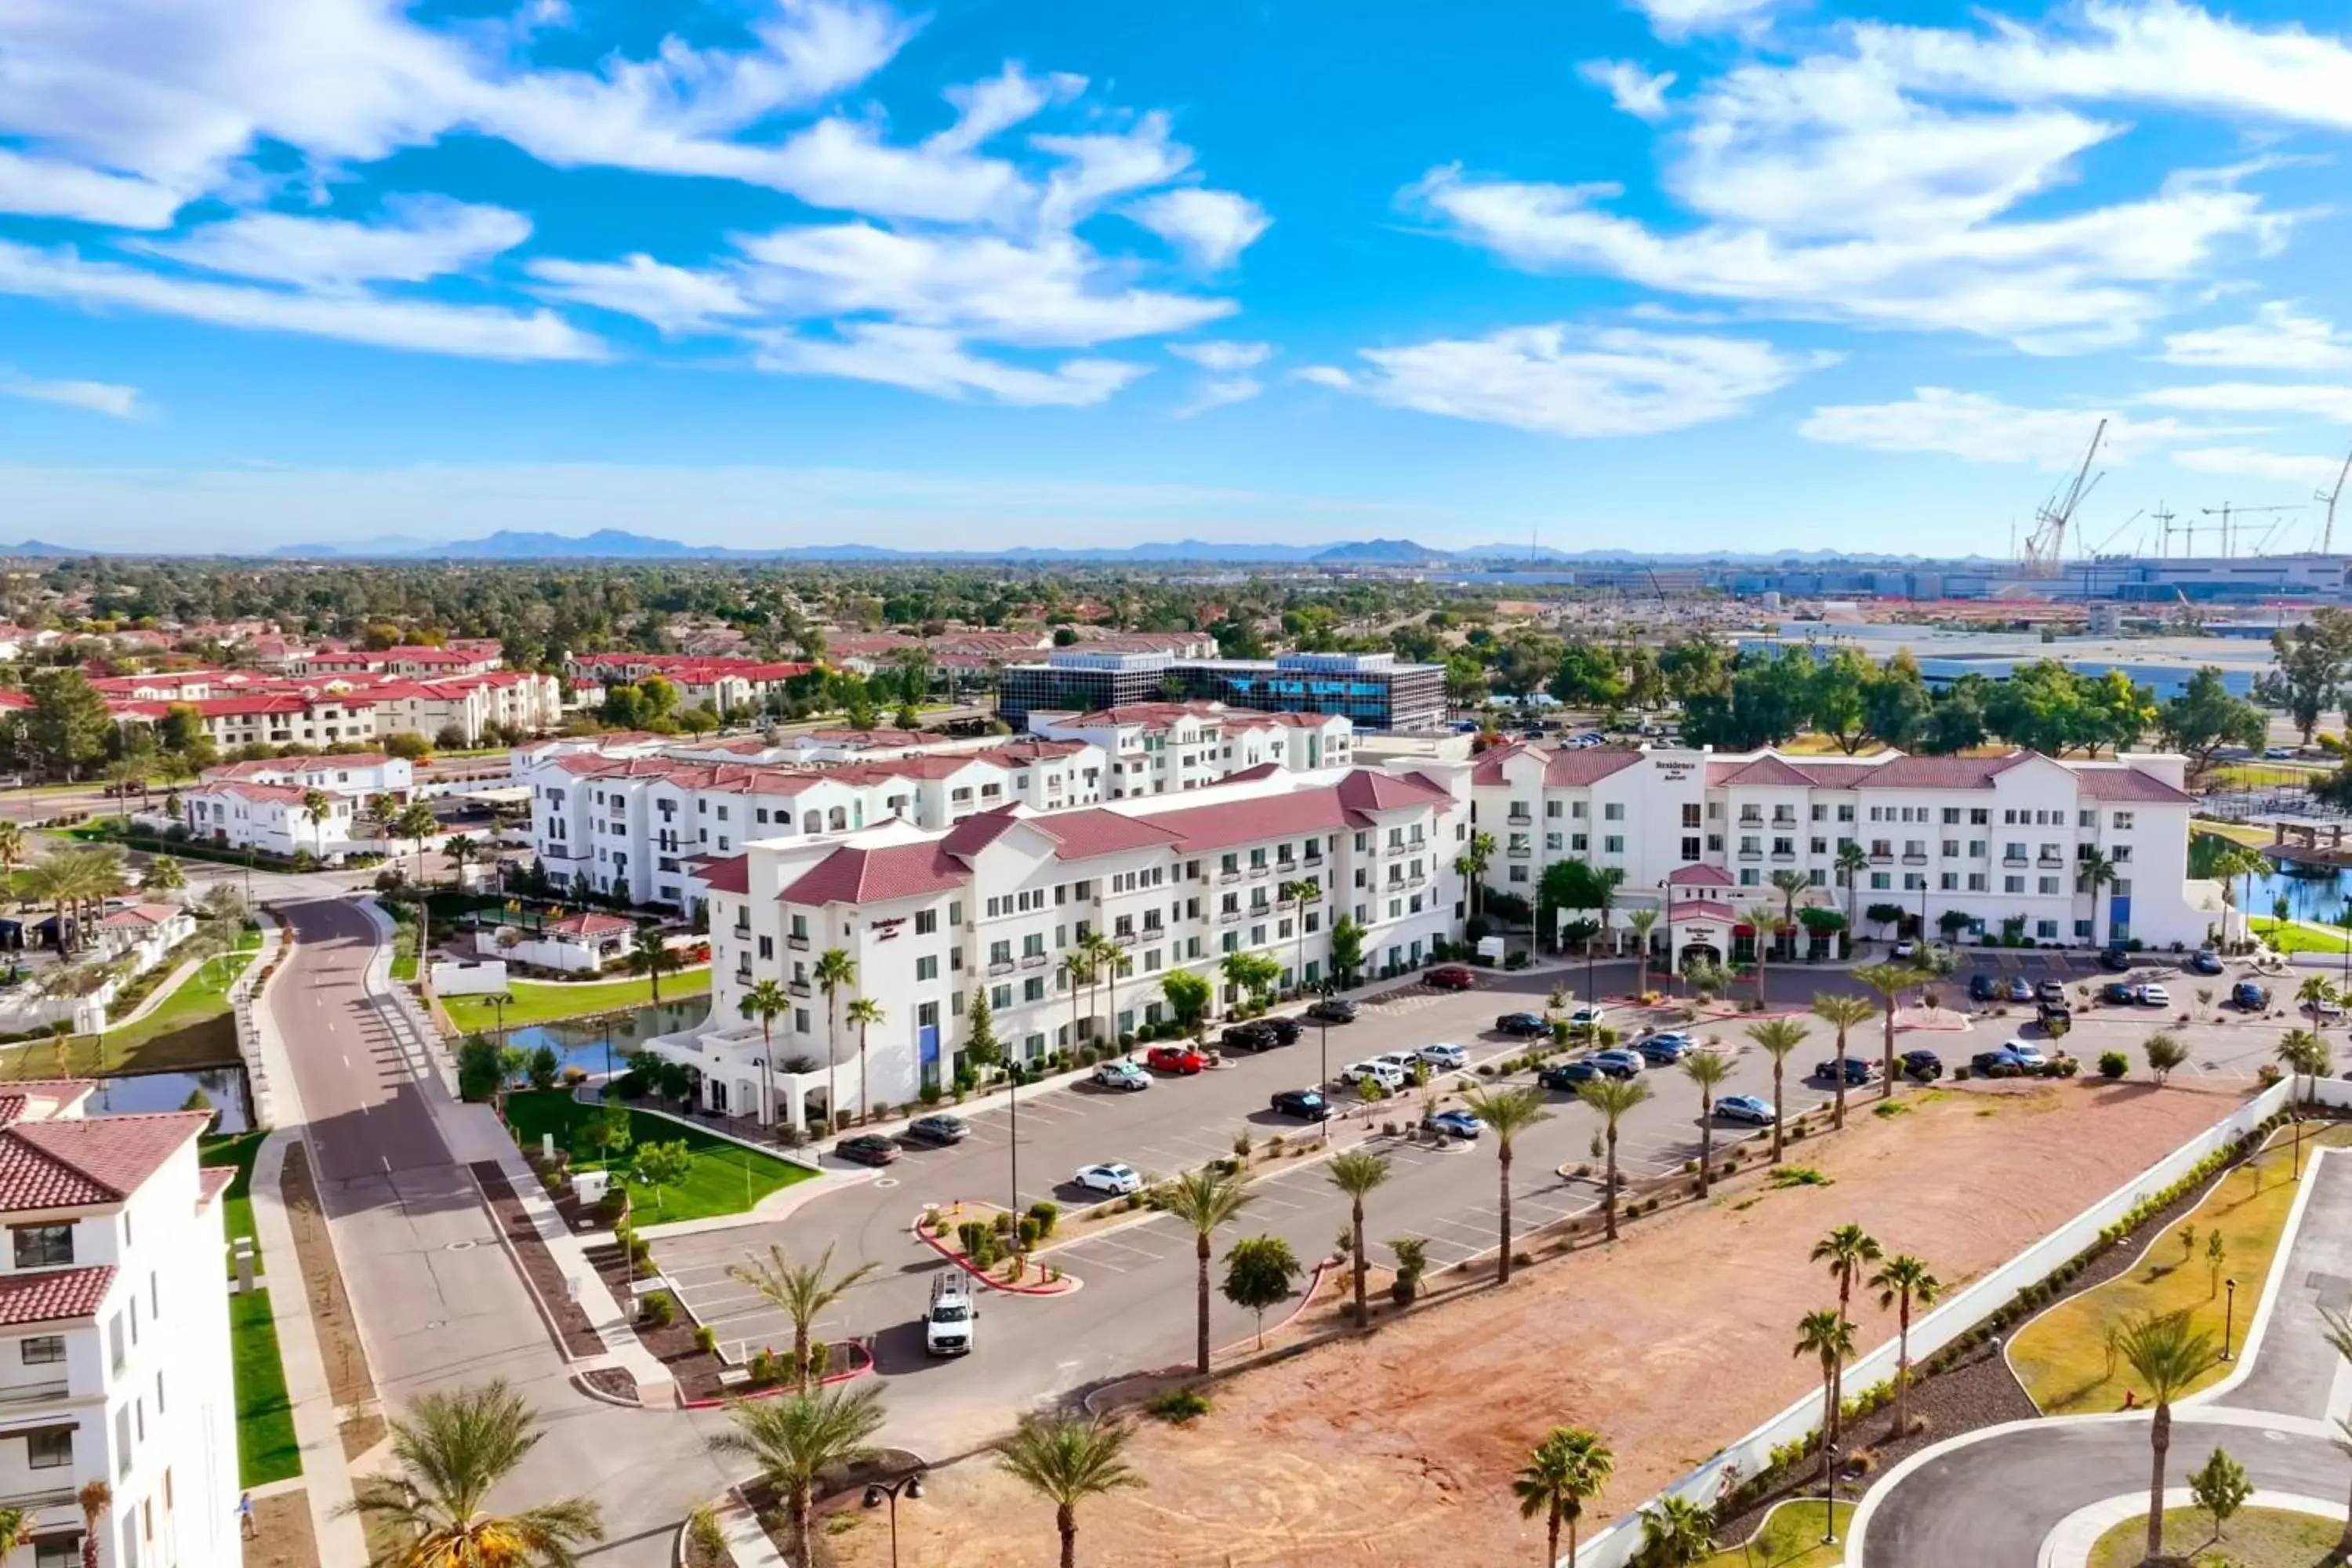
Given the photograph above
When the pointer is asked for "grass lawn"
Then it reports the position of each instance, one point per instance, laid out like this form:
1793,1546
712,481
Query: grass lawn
265,1447
1791,1538
241,1150
191,1028
2297,936
725,1178
545,1002
2257,1538
2244,832
2062,1356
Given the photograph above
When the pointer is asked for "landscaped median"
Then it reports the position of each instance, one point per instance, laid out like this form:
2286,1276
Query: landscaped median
720,1176
191,1028
2253,1538
265,1446
2298,936
551,1001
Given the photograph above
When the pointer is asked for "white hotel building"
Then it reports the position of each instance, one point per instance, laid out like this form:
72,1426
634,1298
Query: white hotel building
114,1341
1997,839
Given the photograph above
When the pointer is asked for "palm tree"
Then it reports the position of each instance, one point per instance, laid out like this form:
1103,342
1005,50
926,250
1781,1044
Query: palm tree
317,806
1847,1250
164,875
454,1447
2338,1334
1471,863
1890,981
802,1292
2314,993
94,1498
1065,1460
1603,884
1078,972
1110,960
1706,1070
1613,1096
767,1001
15,1525
2092,871
795,1439
1765,920
1356,1174
835,972
864,1012
126,775
1903,1283
1851,861
651,955
1792,885
416,824
1568,1470
1676,1531
1204,1199
1777,1037
12,854
2167,1354
1508,1113
1296,893
460,848
1826,1334
1641,922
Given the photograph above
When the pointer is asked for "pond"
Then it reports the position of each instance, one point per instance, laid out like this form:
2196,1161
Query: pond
152,1092
581,1042
2312,892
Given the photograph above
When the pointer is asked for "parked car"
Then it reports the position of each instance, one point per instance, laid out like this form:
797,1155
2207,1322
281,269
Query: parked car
1452,1123
2019,989
1996,1064
2326,1006
939,1128
1522,1024
2249,996
2027,1053
2205,961
1307,1104
1332,1010
1285,1031
1665,1047
2118,993
1252,1035
1752,1108
868,1148
1982,987
2114,959
1450,977
1122,1074
1618,1063
1856,1069
2051,992
1388,1074
1116,1179
1438,1054
1589,1016
1182,1059
2155,996
1922,1067
1563,1077
1905,948
2055,1018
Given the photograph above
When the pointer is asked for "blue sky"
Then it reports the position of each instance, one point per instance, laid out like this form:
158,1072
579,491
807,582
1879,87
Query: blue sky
1670,274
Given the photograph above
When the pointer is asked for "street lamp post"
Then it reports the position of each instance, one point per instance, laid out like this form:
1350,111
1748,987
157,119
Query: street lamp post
912,1485
2229,1315
1829,1494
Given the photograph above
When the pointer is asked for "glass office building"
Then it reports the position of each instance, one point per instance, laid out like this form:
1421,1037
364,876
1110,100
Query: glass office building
1374,691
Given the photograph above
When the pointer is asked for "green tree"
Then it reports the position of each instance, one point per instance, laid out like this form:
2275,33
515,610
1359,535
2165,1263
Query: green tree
1896,701
1204,1200
1066,1459
1471,865
2207,717
1568,1470
68,726
863,1013
1958,720
1847,1250
1347,950
1676,1532
1777,1037
767,1001
416,824
1508,1113
1851,861
1890,981
461,849
2221,1487
981,1047
317,806
803,1292
1905,1282
1251,974
2308,676
1827,1335
2164,1052
835,972
1188,997
1612,1098
799,1438
1838,704
1708,1070
661,1165
651,955
1359,1173
2168,1354
1642,922
1259,1270
453,1448
163,874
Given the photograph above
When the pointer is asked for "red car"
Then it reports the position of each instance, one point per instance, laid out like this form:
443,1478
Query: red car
1450,977
1175,1058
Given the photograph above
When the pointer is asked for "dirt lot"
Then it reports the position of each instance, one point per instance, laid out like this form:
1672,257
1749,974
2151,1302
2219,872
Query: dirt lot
1399,1448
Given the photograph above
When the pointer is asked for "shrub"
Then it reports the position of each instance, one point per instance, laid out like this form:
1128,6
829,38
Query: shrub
705,1340
765,1367
659,1310
1178,1405
1045,1213
2113,1064
1799,1177
1030,1233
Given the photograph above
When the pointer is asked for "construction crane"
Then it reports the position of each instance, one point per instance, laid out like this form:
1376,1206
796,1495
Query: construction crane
2045,547
2328,499
2101,548
2225,511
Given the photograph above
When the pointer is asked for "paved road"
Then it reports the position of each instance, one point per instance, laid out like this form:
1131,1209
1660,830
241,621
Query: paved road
438,1302
1998,1498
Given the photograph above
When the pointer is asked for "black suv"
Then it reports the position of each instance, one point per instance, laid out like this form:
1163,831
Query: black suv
1284,1030
1255,1035
1305,1103
1333,1010
1922,1067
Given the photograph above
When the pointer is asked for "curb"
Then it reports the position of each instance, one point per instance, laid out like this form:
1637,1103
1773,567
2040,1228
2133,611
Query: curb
1069,1284
846,1374
579,1380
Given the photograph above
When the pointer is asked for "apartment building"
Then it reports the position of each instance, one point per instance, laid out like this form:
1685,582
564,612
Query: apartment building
461,709
1999,842
354,774
723,685
1265,862
281,719
1155,748
114,1341
275,819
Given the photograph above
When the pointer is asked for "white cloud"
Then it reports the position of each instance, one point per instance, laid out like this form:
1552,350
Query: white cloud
984,108
2278,338
1676,18
97,396
1219,393
476,332
676,299
1098,167
1635,89
50,188
2309,400
1212,227
1987,430
1224,358
1563,381
2249,462
927,359
424,237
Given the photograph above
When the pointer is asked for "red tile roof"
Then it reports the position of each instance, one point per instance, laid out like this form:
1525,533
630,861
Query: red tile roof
86,1162
1701,910
1941,772
589,922
216,1180
1590,764
144,915
1089,831
732,875
851,875
2130,784
1698,876
54,1295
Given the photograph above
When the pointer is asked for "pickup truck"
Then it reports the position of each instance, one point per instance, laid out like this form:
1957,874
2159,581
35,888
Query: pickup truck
952,1320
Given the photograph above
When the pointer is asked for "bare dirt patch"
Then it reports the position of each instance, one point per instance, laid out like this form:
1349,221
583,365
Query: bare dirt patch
1398,1448
349,1381
281,1534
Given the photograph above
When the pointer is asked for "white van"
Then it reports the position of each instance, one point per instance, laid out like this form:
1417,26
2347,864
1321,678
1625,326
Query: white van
1388,1074
949,1324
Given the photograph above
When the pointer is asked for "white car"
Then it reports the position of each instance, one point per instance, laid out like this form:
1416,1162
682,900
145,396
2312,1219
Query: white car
1403,1061
2155,996
1588,1016
1116,1179
2026,1052
1450,1058
1388,1074
1122,1074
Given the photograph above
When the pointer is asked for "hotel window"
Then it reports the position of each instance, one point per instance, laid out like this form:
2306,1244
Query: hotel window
43,1246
